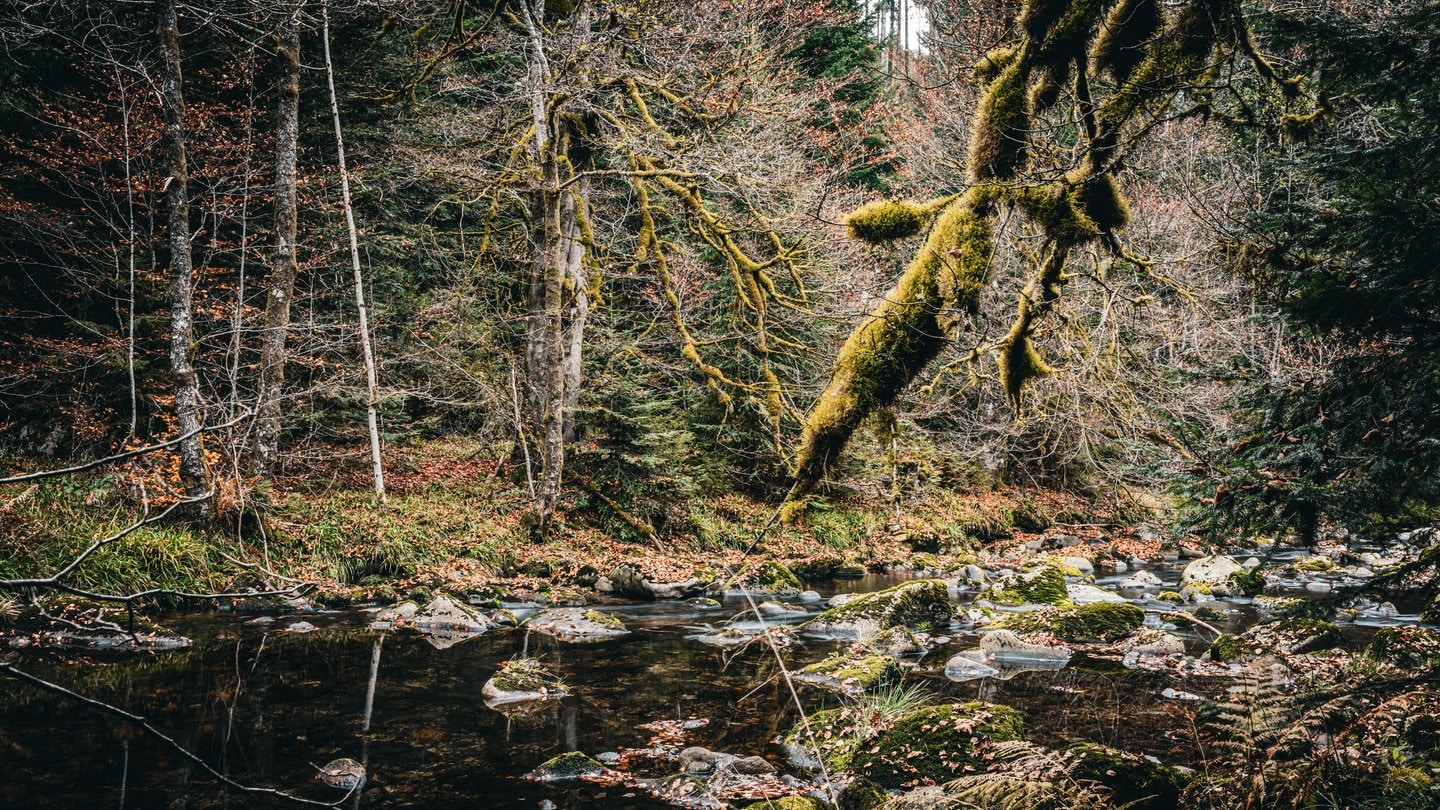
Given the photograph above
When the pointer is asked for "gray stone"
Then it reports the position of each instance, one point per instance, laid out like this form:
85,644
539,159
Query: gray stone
1004,647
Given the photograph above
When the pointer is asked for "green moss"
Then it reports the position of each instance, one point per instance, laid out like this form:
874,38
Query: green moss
1315,564
922,604
989,66
936,742
884,221
604,619
1120,47
1228,647
1248,581
567,766
1100,200
1103,621
769,577
1410,648
1056,209
863,673
1135,781
835,733
999,142
1042,586
1170,596
908,330
792,803
862,794
1065,40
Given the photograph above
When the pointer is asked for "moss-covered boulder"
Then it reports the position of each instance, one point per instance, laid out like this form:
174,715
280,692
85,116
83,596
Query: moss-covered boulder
922,604
792,803
1135,781
1212,572
1042,585
1294,635
770,578
1103,621
829,736
565,768
521,680
861,794
578,625
936,743
852,674
1409,648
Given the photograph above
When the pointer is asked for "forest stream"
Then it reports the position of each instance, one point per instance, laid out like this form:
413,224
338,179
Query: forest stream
269,698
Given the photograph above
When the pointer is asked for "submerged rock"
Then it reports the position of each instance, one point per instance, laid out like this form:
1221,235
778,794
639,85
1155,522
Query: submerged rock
343,773
780,610
963,668
923,604
153,640
578,625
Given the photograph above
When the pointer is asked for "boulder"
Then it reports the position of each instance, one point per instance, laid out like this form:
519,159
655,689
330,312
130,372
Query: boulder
565,768
521,680
1004,647
1213,570
936,743
1042,585
963,668
851,674
1082,594
1135,781
577,625
1141,579
1411,648
444,622
1084,566
1094,622
628,580
770,578
922,604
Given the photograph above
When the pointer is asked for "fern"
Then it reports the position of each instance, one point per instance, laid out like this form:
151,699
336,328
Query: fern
1029,778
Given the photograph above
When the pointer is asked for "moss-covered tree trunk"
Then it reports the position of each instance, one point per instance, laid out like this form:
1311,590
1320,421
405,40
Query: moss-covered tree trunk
1148,57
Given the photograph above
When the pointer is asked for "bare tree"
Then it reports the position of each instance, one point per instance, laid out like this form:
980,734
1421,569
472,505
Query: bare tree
194,467
284,265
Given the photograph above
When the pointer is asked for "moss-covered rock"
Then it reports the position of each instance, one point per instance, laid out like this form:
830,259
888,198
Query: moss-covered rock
1230,647
769,578
1135,781
936,742
578,625
861,794
829,736
521,680
566,767
1410,648
1044,585
792,803
1103,621
851,674
1295,635
1170,596
923,604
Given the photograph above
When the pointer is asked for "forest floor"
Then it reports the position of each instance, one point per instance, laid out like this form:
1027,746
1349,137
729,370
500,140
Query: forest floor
454,522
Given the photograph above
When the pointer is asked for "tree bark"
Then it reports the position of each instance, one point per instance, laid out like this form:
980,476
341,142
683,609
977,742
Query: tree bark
194,469
572,252
372,383
285,265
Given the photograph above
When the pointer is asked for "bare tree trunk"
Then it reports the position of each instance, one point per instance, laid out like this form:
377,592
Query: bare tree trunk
194,470
372,384
285,265
130,239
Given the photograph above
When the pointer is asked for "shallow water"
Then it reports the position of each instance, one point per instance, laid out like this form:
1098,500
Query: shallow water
266,707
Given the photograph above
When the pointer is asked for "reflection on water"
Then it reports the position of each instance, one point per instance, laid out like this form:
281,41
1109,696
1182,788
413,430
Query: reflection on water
268,707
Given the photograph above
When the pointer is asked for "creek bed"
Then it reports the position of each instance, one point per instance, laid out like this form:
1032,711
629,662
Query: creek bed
267,707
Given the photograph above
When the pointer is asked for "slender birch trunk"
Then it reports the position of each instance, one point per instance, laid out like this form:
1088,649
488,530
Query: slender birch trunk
371,381
285,265
194,469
